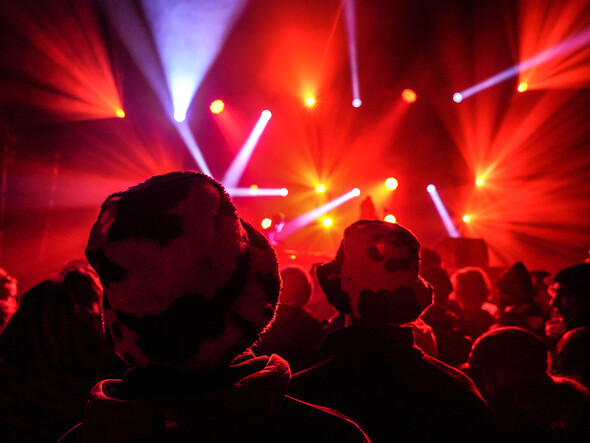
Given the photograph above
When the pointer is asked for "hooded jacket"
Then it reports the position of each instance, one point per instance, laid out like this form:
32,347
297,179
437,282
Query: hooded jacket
245,402
379,378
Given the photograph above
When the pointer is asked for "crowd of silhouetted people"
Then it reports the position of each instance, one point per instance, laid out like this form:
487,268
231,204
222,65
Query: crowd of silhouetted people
180,324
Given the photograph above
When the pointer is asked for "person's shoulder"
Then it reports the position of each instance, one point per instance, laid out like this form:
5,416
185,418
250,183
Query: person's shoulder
577,336
300,421
454,376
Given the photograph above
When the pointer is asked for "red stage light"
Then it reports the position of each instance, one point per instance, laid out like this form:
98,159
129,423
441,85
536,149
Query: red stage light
409,95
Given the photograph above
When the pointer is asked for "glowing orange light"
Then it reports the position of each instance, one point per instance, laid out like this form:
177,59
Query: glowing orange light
217,106
253,189
120,113
391,183
390,218
309,101
409,95
266,223
76,81
293,257
479,182
327,222
320,189
522,87
466,218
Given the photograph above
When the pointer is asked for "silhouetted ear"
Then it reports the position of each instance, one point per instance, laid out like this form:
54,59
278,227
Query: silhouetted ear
329,279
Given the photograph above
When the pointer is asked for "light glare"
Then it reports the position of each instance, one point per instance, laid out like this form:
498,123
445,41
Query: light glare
391,183
217,106
390,218
409,95
266,223
179,116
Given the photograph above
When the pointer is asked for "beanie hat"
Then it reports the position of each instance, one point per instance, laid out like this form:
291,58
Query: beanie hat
511,348
374,276
576,278
187,283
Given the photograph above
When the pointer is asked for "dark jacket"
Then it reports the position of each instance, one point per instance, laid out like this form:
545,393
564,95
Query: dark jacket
395,392
295,335
243,403
571,355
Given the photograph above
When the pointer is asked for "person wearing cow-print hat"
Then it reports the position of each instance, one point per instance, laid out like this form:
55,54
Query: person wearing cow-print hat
189,287
374,373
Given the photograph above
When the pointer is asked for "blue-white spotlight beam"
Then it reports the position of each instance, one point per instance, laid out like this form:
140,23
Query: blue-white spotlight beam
303,220
190,142
442,211
236,169
350,19
132,30
258,192
188,35
568,45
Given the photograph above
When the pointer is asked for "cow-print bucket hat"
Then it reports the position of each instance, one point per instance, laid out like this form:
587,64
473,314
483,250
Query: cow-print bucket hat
374,276
187,283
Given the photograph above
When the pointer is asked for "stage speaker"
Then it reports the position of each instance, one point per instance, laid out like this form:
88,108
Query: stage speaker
456,253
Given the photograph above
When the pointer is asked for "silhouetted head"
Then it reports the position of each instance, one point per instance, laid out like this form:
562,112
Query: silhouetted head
187,283
570,293
297,286
57,324
440,281
471,287
515,286
374,277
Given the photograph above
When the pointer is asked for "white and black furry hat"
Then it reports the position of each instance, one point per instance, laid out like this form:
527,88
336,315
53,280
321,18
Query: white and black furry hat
374,276
187,283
